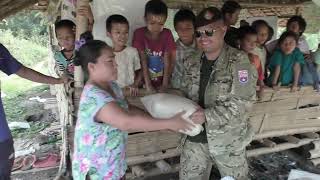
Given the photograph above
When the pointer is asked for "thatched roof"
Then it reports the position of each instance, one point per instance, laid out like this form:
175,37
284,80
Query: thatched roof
10,7
281,8
244,3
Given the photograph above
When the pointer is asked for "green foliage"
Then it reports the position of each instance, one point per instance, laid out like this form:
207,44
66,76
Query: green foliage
28,25
26,51
15,109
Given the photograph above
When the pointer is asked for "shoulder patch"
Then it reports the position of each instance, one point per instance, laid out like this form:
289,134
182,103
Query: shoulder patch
243,76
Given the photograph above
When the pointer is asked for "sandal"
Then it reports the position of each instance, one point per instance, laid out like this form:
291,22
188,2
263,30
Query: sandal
52,160
17,164
28,162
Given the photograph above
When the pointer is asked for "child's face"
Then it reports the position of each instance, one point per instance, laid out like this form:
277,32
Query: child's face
248,43
233,18
263,34
185,31
119,34
288,45
105,69
155,23
65,38
294,27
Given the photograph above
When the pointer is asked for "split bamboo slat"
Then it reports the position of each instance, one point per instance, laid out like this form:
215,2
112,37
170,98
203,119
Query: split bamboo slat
151,142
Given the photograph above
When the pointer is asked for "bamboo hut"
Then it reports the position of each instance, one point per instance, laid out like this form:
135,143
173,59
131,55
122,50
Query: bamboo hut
292,118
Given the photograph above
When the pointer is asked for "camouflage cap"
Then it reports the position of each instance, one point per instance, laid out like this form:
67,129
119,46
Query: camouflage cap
207,16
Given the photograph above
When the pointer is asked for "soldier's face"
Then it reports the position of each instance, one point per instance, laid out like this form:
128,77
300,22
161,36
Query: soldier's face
210,37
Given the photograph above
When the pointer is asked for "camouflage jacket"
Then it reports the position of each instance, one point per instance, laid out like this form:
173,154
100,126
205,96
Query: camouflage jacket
229,94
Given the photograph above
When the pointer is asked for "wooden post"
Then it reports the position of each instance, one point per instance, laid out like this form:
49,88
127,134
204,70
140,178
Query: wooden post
81,27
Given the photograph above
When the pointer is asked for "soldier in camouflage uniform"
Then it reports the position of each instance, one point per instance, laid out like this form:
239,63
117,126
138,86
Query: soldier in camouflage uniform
223,81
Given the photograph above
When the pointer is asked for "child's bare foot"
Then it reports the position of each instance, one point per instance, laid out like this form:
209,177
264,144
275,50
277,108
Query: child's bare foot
294,88
260,95
276,87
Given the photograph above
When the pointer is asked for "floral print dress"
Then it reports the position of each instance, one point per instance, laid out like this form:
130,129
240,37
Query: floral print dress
99,148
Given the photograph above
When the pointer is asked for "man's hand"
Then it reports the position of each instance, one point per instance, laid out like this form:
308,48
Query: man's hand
198,117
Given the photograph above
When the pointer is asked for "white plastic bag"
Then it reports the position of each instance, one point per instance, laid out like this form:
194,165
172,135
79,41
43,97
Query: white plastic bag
302,175
163,105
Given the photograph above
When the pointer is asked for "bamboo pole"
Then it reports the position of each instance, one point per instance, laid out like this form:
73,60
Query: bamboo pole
290,139
82,26
277,148
316,161
311,135
285,132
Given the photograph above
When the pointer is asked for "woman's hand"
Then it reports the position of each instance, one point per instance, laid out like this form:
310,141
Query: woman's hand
133,90
178,124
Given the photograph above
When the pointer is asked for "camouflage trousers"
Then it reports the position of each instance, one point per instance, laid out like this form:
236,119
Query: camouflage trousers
196,163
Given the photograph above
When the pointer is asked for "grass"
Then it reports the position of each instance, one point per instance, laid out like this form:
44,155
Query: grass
14,107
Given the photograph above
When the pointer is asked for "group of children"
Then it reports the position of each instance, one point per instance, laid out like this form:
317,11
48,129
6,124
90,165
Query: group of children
155,61
280,62
104,117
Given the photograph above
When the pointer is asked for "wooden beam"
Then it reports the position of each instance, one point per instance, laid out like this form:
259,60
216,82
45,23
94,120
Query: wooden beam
11,8
277,148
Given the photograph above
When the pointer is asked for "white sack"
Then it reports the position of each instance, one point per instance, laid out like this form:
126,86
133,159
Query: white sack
302,175
162,105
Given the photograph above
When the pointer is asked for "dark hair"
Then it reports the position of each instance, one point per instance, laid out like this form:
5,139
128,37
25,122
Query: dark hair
230,7
259,23
184,15
89,52
156,7
64,24
113,19
246,30
287,34
207,16
301,21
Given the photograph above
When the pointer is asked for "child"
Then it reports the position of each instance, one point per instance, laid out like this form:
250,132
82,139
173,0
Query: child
297,24
65,33
285,63
316,56
264,34
104,118
156,46
248,39
230,11
184,25
127,57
